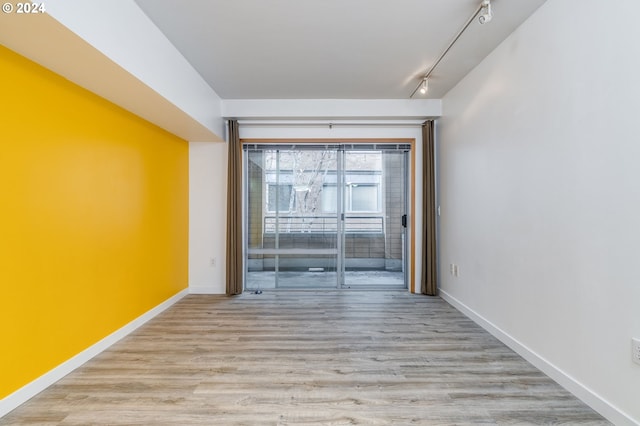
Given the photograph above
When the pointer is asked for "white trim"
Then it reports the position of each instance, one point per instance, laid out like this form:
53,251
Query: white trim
588,396
284,110
30,390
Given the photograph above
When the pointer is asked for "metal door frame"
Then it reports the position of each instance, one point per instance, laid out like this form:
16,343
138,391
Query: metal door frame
339,251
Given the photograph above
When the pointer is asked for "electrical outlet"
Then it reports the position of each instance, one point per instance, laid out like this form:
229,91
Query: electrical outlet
212,261
635,350
453,269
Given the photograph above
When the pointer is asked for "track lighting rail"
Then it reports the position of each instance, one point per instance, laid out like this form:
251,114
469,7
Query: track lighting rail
444,53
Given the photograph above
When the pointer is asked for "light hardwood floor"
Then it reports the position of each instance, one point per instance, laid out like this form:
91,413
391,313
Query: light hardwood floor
289,358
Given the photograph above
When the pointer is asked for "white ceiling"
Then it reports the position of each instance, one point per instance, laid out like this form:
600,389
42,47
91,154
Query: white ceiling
331,49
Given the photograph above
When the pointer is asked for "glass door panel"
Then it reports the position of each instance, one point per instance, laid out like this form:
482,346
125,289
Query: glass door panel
292,222
374,205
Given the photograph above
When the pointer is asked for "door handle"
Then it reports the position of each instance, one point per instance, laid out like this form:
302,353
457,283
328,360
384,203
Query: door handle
404,220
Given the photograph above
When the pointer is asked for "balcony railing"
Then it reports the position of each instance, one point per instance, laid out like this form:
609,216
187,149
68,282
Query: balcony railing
324,224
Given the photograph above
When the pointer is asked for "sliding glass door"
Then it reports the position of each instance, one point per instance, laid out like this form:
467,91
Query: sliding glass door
324,216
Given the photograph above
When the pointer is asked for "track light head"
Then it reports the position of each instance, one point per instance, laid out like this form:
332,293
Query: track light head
425,86
485,12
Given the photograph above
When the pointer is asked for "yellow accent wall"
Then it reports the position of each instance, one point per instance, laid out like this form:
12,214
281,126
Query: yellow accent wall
93,219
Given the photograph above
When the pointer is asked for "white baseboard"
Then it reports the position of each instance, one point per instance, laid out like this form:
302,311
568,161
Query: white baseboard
582,392
30,390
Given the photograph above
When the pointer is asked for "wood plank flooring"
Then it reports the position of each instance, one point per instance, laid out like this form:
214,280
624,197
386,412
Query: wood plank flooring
306,358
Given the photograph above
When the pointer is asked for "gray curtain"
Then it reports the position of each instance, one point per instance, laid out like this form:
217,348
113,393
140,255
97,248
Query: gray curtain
429,266
234,211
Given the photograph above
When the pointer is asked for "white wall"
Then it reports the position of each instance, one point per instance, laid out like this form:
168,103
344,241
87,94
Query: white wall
540,193
207,216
